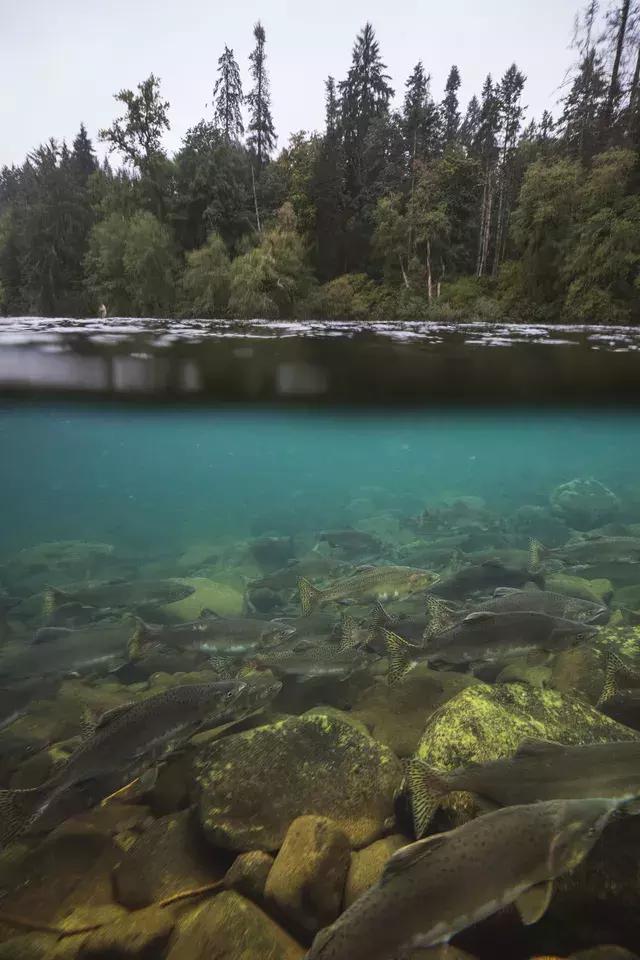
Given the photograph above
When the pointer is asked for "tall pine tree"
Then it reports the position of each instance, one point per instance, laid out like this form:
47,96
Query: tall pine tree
510,110
449,108
227,95
262,135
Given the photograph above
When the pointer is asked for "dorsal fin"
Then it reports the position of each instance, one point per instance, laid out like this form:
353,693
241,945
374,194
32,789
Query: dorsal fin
505,591
405,857
537,748
110,715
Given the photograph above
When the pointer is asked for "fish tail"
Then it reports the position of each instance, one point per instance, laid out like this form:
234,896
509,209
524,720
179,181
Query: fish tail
17,811
53,599
614,668
348,633
537,553
380,617
140,640
399,653
439,617
427,787
309,595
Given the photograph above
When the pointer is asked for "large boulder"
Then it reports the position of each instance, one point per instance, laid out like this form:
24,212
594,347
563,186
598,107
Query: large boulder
248,874
584,504
225,600
367,865
137,936
488,722
252,785
307,878
168,858
228,927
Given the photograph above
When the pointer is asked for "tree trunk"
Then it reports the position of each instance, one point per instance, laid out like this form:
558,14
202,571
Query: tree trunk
635,83
404,273
499,224
483,213
614,86
429,283
255,200
486,226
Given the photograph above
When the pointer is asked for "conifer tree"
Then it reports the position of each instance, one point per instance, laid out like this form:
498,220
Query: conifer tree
420,117
227,95
262,136
510,119
449,108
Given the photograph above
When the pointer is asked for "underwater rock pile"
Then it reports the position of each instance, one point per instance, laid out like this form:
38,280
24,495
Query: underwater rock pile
251,747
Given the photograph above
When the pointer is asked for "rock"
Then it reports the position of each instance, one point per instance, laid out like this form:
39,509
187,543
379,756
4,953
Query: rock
208,595
171,790
346,716
308,876
228,927
252,785
198,555
169,857
537,522
485,723
39,946
520,671
584,504
248,874
629,596
367,865
142,935
579,670
396,716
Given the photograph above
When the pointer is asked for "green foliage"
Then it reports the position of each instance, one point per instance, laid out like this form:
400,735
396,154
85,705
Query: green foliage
206,279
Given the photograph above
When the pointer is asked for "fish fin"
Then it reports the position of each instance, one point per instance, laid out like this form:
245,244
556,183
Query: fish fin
427,787
505,591
537,552
614,668
321,939
364,568
399,653
348,633
207,614
536,748
222,666
380,616
309,595
533,903
412,853
138,640
53,598
110,715
439,616
17,809
479,616
135,789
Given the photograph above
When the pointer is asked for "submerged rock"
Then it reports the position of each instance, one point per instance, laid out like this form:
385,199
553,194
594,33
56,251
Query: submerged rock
308,876
207,594
584,504
248,874
485,723
251,786
228,927
142,934
168,858
367,865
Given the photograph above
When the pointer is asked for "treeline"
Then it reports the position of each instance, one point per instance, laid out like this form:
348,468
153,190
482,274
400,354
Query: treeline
429,210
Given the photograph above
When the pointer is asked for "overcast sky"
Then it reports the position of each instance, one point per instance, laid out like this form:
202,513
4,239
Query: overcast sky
61,61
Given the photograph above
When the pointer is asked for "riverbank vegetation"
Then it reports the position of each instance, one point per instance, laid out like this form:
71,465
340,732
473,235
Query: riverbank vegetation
406,206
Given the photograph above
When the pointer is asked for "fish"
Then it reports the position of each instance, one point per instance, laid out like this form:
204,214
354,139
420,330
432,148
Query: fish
95,649
617,674
219,636
485,637
314,565
312,663
16,698
484,577
545,601
587,551
130,594
539,770
124,741
434,888
351,542
367,583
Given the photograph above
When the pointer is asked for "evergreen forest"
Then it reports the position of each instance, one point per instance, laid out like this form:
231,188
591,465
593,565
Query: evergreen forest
408,204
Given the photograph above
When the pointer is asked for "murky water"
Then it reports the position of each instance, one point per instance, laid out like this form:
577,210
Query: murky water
427,537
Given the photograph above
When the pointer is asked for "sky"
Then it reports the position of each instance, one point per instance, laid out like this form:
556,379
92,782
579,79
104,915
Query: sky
61,61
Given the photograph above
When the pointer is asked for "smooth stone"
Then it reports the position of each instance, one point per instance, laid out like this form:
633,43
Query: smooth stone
223,599
141,935
248,874
367,865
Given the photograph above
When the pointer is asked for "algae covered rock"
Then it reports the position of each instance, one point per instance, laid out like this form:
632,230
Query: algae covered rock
252,785
397,715
308,876
584,504
485,723
207,594
168,858
367,865
142,934
228,927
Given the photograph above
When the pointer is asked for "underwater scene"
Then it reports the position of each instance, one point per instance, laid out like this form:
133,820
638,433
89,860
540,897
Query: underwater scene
319,681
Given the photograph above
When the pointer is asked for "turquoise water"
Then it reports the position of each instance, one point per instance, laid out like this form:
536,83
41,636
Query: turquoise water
158,479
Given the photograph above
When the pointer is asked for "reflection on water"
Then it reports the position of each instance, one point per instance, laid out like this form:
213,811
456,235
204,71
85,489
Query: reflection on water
275,644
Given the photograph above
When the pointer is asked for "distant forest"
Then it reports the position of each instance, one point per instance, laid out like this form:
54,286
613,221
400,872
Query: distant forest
430,211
